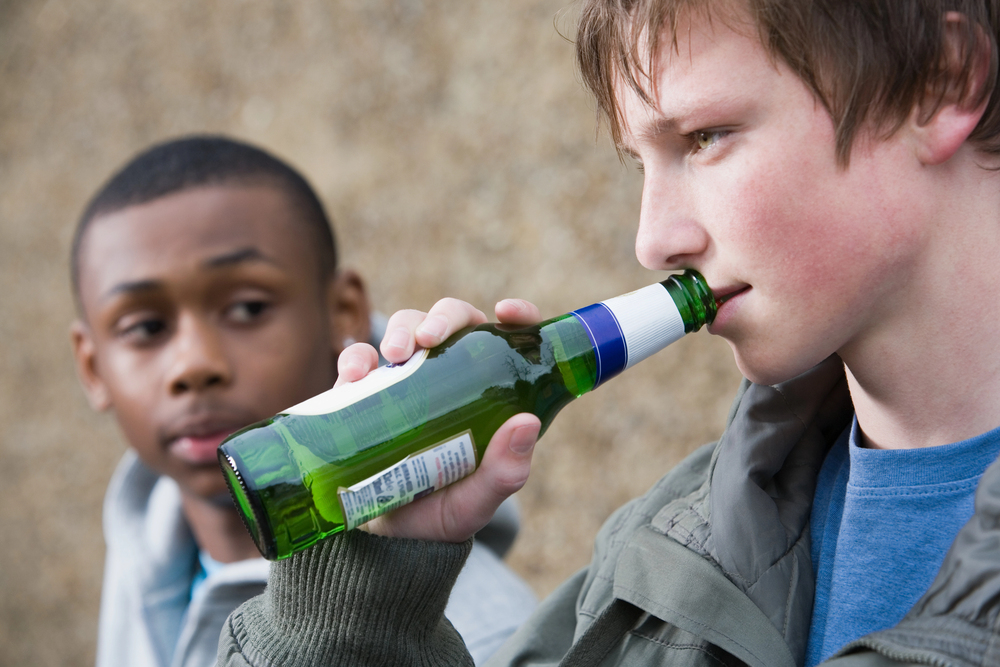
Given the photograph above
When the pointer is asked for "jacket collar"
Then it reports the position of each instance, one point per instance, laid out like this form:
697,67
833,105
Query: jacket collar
749,522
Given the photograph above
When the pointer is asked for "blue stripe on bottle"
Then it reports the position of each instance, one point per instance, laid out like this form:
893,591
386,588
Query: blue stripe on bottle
607,338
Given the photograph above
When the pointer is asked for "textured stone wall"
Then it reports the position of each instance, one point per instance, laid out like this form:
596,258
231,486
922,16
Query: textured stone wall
455,148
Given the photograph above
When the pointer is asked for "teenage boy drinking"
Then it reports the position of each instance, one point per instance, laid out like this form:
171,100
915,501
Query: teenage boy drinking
831,168
209,298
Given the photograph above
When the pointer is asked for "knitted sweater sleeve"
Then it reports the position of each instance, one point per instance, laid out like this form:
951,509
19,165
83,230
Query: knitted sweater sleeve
354,599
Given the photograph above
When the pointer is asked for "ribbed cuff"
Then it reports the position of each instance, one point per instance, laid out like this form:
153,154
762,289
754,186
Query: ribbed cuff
358,599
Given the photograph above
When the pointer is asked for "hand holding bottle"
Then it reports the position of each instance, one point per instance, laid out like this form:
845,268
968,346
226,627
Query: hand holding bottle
476,401
458,511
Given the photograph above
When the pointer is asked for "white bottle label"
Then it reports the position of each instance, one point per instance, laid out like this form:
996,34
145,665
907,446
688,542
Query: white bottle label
347,394
414,477
628,328
649,321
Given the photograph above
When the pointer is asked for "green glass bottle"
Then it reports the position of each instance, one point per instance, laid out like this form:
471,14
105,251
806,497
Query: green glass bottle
352,453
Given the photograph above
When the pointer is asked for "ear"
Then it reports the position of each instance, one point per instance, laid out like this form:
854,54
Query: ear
948,113
349,310
85,354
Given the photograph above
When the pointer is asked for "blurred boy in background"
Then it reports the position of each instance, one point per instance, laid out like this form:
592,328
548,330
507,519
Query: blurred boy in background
209,297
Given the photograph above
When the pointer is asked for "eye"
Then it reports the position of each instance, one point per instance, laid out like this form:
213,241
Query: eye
246,311
141,330
705,139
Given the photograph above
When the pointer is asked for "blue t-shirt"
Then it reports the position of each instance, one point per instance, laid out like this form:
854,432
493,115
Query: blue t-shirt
882,522
206,566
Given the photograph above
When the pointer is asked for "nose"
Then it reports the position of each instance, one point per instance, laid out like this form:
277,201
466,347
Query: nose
199,359
670,235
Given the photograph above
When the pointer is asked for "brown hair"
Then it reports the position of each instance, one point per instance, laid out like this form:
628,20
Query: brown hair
867,61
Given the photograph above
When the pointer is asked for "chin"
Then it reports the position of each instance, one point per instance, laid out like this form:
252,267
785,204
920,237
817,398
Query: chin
208,485
765,370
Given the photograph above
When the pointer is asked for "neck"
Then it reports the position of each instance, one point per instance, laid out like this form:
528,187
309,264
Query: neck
218,529
928,373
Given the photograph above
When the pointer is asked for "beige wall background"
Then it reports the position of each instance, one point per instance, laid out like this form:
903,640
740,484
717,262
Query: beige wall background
454,147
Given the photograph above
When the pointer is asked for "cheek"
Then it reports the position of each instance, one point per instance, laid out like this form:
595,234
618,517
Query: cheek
134,408
805,221
779,197
287,365
779,230
133,382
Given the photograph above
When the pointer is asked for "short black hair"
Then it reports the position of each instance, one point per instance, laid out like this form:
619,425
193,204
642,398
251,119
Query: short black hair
205,160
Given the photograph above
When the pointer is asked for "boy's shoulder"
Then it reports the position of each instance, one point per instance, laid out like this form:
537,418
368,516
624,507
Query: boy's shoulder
147,614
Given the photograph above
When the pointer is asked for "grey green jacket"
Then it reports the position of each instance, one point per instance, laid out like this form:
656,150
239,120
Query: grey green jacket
710,568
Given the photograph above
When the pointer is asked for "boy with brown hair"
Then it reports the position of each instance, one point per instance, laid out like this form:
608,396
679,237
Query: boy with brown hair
209,298
831,167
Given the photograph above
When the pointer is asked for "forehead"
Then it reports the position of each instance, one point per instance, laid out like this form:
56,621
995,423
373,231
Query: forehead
177,236
706,63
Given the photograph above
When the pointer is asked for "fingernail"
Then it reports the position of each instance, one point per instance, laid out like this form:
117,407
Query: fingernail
522,440
398,339
435,325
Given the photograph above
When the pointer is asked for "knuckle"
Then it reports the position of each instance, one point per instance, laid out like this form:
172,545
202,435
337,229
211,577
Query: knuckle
510,482
449,520
407,317
450,303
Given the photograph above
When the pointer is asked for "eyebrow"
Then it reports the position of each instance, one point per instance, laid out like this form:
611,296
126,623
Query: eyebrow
131,287
656,128
660,126
240,256
250,254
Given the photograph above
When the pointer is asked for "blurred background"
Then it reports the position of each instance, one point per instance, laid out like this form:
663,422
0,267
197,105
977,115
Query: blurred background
455,148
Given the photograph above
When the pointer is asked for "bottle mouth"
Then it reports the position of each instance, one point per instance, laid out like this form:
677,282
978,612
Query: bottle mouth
248,507
700,301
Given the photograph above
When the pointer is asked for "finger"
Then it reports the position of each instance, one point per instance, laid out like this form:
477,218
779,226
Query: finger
398,343
517,311
445,318
503,471
459,511
355,362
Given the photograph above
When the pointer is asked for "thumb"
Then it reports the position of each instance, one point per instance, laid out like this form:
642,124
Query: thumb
457,512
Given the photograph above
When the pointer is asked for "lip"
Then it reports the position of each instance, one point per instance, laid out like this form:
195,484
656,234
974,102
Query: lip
196,441
728,299
724,294
198,450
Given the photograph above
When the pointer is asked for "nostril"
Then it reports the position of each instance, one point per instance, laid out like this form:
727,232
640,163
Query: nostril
187,384
676,260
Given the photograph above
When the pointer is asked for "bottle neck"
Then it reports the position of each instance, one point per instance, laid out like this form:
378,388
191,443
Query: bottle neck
629,328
